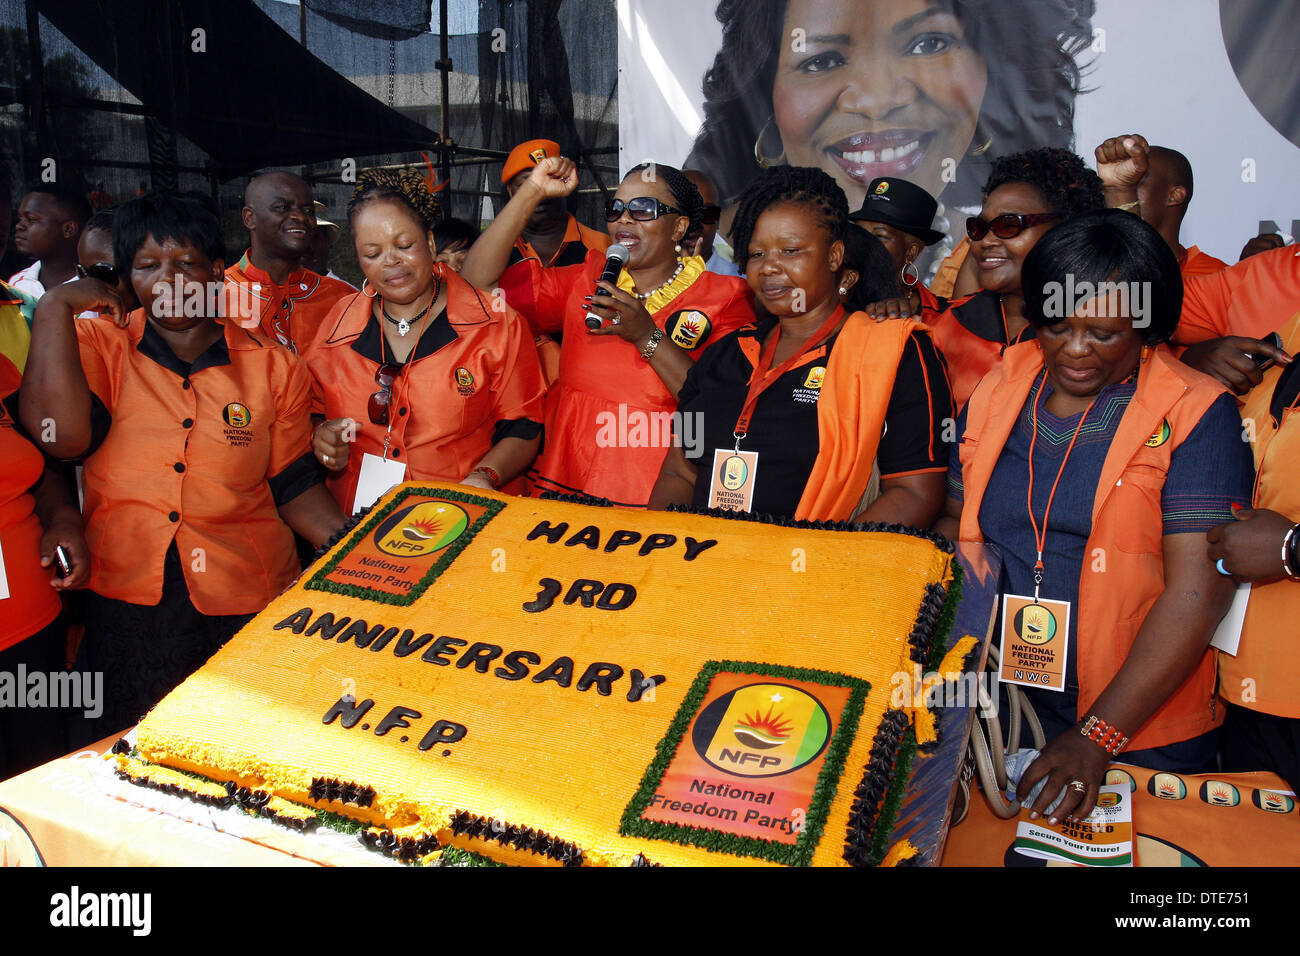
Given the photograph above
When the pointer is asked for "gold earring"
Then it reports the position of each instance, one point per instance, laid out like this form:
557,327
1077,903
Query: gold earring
759,158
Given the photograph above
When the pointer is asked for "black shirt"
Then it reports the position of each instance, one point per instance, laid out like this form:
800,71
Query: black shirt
783,429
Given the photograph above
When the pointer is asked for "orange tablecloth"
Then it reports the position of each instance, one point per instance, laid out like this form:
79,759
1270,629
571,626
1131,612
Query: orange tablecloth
1243,819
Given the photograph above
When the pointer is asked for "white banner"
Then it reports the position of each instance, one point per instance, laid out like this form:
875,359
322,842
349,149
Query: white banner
885,88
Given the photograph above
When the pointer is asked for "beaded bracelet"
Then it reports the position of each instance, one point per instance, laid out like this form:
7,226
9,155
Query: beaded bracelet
494,479
1103,735
1290,557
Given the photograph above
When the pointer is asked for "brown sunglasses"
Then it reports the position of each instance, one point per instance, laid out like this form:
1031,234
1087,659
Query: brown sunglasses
385,376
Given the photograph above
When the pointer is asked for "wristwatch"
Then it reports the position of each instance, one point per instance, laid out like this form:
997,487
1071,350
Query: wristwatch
648,350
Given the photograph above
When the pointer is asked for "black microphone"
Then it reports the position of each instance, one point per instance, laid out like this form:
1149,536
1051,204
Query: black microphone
615,258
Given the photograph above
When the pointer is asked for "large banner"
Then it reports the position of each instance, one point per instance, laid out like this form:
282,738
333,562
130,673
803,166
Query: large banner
934,91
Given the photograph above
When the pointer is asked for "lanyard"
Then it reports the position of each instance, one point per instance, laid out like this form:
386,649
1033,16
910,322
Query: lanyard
410,357
764,375
1040,536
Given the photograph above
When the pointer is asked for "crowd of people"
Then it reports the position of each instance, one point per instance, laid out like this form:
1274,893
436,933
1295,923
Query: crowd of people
175,454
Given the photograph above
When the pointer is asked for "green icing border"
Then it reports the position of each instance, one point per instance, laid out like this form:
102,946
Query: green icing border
801,851
319,582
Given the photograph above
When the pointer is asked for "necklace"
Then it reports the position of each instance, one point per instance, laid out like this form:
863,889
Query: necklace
671,279
404,325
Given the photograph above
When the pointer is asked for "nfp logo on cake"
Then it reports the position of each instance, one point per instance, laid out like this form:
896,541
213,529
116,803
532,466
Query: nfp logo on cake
749,761
403,547
762,730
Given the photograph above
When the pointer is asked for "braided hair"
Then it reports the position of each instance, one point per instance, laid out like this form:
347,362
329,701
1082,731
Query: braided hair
803,185
405,185
685,193
1065,183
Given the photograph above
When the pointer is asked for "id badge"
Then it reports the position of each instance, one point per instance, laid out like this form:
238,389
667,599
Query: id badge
1035,641
377,476
731,486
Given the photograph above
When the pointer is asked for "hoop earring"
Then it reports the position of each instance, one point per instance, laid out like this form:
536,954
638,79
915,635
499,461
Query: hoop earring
916,274
372,293
982,149
759,158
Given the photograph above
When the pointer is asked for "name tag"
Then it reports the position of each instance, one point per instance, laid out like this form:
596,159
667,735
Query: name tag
731,486
1035,641
377,476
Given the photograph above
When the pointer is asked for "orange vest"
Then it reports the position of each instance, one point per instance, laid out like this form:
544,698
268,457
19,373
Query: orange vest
1116,593
970,356
1267,656
851,414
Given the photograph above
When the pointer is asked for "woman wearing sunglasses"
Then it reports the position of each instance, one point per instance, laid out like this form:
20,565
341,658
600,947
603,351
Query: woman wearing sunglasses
1095,463
608,415
418,376
195,437
1026,194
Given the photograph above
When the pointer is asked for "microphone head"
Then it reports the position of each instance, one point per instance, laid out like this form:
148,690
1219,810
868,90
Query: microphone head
617,252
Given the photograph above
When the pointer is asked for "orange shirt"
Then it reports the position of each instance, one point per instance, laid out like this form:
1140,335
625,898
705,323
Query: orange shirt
972,335
1194,262
1265,673
202,454
32,603
577,242
471,380
1252,298
604,385
291,313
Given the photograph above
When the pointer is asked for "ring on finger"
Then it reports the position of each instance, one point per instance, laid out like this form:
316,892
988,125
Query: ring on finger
615,320
1218,566
1078,786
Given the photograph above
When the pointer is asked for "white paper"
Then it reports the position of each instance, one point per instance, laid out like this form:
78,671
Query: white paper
1228,634
377,476
1105,837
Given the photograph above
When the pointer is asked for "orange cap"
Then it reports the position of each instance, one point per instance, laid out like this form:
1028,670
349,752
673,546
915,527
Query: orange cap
526,156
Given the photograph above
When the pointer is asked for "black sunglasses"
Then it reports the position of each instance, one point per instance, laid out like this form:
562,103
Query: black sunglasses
642,209
385,375
100,270
1007,226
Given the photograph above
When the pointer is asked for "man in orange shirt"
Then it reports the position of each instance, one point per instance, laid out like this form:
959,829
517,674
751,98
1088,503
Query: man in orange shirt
552,236
1227,314
269,281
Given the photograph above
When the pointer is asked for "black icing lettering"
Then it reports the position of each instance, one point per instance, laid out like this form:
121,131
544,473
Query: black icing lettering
584,590
514,667
656,540
326,626
480,655
561,671
642,685
590,536
397,717
406,646
545,597
620,539
442,645
364,639
443,732
361,632
616,596
348,710
551,533
295,621
386,638
695,548
600,674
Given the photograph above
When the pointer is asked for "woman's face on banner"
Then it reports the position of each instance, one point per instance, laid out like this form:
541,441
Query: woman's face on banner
888,88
